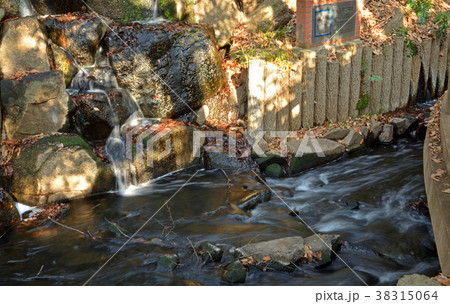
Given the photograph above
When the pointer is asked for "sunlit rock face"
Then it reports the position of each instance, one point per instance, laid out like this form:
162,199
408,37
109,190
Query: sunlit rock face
35,104
269,15
169,68
23,47
58,168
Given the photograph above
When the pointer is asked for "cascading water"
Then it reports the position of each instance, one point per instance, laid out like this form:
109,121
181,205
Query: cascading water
26,8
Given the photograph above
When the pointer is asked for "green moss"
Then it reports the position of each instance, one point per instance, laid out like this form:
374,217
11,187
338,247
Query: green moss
67,141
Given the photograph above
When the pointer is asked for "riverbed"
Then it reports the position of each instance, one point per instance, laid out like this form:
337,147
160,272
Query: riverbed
364,198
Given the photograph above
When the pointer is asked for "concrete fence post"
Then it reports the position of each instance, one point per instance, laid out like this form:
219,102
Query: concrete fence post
366,71
443,54
295,96
270,96
406,78
308,90
425,57
376,84
355,87
345,67
332,90
255,96
415,77
388,52
283,101
397,71
320,113
434,65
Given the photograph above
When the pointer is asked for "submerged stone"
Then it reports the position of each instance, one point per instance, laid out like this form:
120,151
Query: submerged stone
235,273
168,261
210,252
9,216
275,171
309,153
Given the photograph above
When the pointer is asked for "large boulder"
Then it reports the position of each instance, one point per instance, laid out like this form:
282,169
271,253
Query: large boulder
9,216
79,34
97,113
169,70
308,153
281,254
23,47
223,15
53,7
34,104
56,169
270,15
123,10
160,148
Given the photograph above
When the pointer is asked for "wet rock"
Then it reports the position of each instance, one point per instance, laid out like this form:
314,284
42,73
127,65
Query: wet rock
235,273
219,160
354,205
272,157
174,9
403,125
168,261
326,243
54,7
387,136
210,252
275,171
421,131
166,147
58,168
79,36
65,63
336,134
96,114
35,104
9,216
2,12
365,132
23,47
11,7
353,141
223,15
308,153
270,15
124,10
168,70
202,115
417,280
375,130
279,254
247,191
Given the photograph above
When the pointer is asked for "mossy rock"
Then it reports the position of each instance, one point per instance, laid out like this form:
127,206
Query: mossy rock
235,273
59,168
210,252
275,171
168,261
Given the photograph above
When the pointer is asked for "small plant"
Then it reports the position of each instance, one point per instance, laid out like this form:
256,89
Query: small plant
421,8
411,45
364,66
363,102
442,20
375,78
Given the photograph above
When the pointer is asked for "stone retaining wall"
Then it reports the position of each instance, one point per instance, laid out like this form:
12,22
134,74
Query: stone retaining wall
438,201
316,89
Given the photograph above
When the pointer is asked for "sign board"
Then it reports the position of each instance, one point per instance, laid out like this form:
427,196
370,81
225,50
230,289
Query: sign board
333,21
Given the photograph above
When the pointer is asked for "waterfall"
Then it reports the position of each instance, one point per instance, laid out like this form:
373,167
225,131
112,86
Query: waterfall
26,8
156,9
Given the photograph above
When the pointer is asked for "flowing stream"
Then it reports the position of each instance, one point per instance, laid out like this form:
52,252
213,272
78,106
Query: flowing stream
385,238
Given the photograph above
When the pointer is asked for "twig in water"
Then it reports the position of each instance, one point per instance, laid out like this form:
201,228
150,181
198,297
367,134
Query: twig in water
73,229
192,245
118,228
